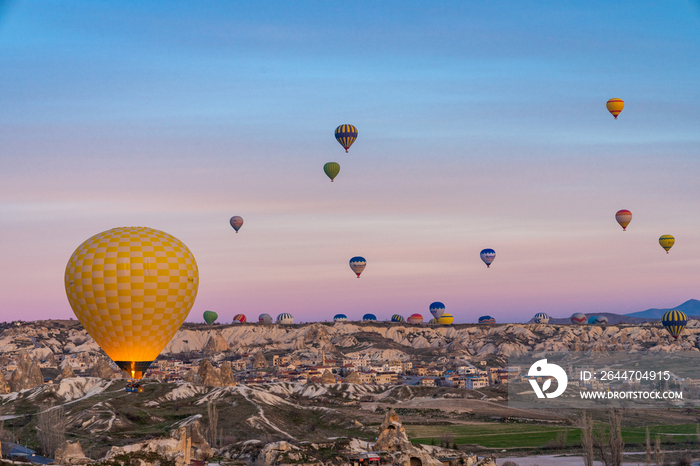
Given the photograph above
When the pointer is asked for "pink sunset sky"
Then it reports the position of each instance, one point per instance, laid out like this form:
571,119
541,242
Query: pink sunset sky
468,139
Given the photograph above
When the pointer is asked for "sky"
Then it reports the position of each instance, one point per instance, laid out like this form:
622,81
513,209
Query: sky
481,125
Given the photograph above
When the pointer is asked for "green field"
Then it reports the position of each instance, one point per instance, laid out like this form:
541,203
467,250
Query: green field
537,436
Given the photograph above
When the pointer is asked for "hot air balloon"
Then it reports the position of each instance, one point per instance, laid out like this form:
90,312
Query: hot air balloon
369,318
445,319
239,319
265,319
415,319
488,255
285,319
397,318
487,320
436,309
210,317
433,321
132,288
615,106
236,222
579,318
623,217
541,318
667,242
674,322
358,264
331,169
600,320
346,135
340,318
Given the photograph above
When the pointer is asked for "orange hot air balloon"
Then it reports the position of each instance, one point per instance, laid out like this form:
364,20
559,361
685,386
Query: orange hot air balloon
623,217
615,106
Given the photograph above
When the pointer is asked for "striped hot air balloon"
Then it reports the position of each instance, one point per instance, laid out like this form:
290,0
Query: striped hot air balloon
579,318
667,242
239,319
340,318
615,106
265,319
446,319
397,318
674,322
346,135
358,264
541,318
415,319
433,321
623,217
487,320
331,169
488,255
285,319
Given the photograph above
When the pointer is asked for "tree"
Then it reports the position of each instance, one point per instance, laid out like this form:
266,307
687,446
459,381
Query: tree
587,438
51,429
212,429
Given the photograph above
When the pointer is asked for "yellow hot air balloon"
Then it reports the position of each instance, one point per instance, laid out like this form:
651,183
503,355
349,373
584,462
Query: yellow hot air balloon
132,288
615,106
667,242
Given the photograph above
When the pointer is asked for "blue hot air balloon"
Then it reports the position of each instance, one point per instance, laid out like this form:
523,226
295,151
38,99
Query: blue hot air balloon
674,322
340,318
369,318
541,318
488,255
487,320
358,264
397,318
437,309
285,319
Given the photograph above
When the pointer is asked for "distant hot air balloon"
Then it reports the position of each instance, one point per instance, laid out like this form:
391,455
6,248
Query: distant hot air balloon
623,217
346,135
433,321
487,320
131,289
541,318
674,322
667,242
397,318
357,264
436,309
331,169
239,319
415,319
210,317
445,319
600,320
488,255
369,318
340,318
285,319
236,222
579,318
615,106
265,319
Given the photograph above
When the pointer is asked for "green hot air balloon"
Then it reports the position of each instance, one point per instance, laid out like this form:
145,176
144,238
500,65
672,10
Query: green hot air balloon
210,317
332,169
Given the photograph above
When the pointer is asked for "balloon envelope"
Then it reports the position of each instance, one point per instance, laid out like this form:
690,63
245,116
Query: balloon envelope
445,319
265,319
340,318
210,317
437,309
579,318
132,288
615,106
369,318
667,242
358,264
331,169
397,318
346,135
415,319
487,320
541,318
285,319
236,222
488,255
433,321
239,319
623,217
674,322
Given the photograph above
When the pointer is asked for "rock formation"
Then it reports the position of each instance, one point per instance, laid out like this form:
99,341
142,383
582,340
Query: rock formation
259,362
226,373
27,374
66,373
392,435
216,344
327,377
208,375
101,369
71,453
268,455
4,386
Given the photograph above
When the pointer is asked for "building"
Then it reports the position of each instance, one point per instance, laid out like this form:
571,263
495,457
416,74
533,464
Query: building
474,383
